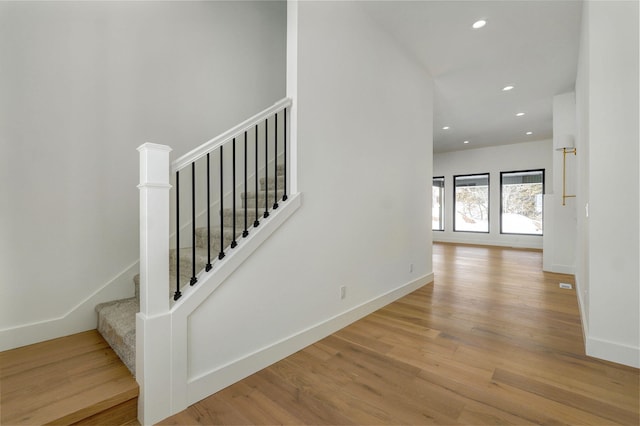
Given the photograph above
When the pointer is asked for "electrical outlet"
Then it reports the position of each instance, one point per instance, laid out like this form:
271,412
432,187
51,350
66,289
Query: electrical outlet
566,285
411,268
343,292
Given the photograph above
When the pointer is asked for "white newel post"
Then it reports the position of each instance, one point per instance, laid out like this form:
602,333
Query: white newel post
153,323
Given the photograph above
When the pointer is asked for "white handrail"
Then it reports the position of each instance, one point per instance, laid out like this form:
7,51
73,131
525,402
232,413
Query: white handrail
225,137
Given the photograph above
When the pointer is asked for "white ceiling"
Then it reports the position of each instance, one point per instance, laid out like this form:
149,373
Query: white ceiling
532,45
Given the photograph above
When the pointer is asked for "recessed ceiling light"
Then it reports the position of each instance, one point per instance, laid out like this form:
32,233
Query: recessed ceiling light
520,114
529,133
466,142
479,24
446,128
507,88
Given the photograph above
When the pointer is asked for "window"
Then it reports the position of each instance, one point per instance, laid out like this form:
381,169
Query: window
437,204
471,203
521,202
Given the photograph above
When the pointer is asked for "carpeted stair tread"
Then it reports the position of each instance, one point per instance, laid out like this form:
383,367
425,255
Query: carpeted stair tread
279,169
251,217
117,324
261,194
186,254
269,195
270,183
201,235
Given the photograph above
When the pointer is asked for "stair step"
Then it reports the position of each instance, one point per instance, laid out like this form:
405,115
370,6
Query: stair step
79,379
117,324
251,198
251,217
186,254
201,234
270,183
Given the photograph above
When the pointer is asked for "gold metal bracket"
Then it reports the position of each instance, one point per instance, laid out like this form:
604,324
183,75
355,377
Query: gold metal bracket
566,151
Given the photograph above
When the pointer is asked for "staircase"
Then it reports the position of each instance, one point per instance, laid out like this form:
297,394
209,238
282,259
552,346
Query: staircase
117,319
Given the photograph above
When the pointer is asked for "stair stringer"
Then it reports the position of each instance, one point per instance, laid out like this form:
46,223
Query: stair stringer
193,297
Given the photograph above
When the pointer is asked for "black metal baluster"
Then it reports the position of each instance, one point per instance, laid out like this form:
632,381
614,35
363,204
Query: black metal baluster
266,168
275,165
221,255
193,224
256,222
208,267
245,232
177,294
284,196
234,243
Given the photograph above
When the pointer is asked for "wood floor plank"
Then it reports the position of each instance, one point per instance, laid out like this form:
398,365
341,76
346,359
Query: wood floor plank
570,398
355,409
493,340
121,414
297,398
573,379
476,413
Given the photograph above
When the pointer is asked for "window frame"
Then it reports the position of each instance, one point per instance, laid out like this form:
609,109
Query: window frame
442,195
501,200
488,175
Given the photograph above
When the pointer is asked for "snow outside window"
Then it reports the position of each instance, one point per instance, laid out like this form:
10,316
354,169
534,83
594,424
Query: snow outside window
471,203
521,195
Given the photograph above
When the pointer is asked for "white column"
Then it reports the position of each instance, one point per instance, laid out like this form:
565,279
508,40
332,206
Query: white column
153,322
559,241
292,92
154,228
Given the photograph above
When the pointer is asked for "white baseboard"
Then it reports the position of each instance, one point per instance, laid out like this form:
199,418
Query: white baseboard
206,384
81,317
604,349
561,269
613,351
581,309
536,245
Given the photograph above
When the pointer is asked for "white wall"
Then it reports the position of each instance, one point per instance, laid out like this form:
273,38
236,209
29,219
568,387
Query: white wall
83,84
560,220
608,199
493,160
364,166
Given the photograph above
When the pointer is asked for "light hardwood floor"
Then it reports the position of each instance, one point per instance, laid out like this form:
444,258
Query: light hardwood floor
492,341
73,379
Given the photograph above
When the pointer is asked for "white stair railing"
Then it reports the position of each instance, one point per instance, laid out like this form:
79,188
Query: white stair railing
156,373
